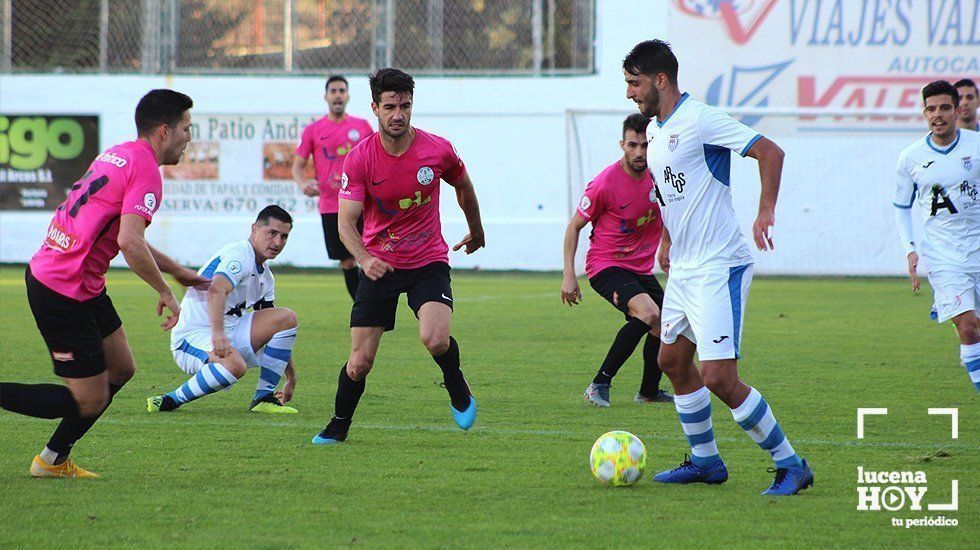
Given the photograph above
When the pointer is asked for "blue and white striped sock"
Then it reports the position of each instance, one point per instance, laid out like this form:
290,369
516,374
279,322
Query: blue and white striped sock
970,354
213,377
755,417
694,410
275,356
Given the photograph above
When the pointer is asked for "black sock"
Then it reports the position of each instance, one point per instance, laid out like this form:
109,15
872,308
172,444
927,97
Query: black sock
621,349
452,376
352,277
651,369
349,393
73,427
38,400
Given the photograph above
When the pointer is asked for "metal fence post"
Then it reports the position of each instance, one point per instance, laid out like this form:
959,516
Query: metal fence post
7,39
287,35
436,12
536,35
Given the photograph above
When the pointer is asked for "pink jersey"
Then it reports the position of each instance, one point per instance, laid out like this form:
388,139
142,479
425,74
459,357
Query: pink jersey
401,197
329,142
626,223
81,238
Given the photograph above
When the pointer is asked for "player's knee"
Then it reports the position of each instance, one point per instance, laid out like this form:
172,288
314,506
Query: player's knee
359,365
649,316
235,365
123,375
288,319
90,406
436,343
719,383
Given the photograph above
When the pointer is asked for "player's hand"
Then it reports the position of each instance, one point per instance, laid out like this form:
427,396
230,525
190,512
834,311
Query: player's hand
375,268
472,241
761,230
663,258
570,292
222,346
286,393
913,268
167,300
189,277
310,188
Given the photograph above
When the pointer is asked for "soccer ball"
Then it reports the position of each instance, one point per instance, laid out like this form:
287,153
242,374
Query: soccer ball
618,458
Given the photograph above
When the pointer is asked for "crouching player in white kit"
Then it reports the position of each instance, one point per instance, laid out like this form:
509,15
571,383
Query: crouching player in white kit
217,339
942,172
709,264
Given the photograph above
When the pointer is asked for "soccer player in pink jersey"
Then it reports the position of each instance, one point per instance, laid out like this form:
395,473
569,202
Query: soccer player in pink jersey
394,178
622,206
106,211
329,140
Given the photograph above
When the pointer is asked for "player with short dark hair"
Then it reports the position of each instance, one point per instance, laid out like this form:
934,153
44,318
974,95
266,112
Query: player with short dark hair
968,104
626,226
106,212
217,338
709,265
328,141
394,178
941,172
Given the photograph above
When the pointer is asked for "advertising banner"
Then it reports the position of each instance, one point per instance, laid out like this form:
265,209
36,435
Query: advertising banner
41,156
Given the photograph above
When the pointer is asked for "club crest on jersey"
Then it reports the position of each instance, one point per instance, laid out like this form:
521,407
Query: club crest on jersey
967,163
353,135
586,203
653,194
343,180
425,175
672,143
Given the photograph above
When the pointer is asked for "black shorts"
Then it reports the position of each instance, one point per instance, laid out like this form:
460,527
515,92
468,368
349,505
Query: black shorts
626,284
376,302
331,237
72,330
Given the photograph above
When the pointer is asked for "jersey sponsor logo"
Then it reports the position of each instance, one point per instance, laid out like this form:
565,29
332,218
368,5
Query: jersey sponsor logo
940,200
112,159
150,200
353,135
425,175
672,143
59,239
343,181
971,190
585,203
417,200
234,267
677,180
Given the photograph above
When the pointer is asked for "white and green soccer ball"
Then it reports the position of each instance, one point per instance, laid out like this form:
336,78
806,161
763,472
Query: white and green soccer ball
618,458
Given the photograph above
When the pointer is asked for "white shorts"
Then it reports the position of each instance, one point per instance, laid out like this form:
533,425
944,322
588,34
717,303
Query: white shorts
191,348
956,292
707,307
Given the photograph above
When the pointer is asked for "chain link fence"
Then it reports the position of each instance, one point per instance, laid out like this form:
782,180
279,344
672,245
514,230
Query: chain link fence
481,37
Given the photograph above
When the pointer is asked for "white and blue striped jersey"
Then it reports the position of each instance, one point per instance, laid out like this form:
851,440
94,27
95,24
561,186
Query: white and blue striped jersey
252,283
945,182
689,156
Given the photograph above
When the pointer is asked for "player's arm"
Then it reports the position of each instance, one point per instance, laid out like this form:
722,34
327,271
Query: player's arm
770,158
663,251
570,292
184,275
218,293
905,191
466,196
308,186
136,251
347,215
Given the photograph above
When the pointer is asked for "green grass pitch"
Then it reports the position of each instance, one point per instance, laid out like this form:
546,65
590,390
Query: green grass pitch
213,474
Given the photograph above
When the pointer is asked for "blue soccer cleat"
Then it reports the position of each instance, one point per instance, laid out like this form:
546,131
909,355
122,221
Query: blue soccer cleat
465,419
335,432
790,481
689,472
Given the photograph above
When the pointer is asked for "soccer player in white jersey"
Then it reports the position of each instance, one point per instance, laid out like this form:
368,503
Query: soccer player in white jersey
969,104
709,265
217,339
941,172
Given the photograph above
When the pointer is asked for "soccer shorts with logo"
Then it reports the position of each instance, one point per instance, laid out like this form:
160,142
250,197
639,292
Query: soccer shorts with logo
190,348
618,286
72,330
376,302
956,292
707,306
